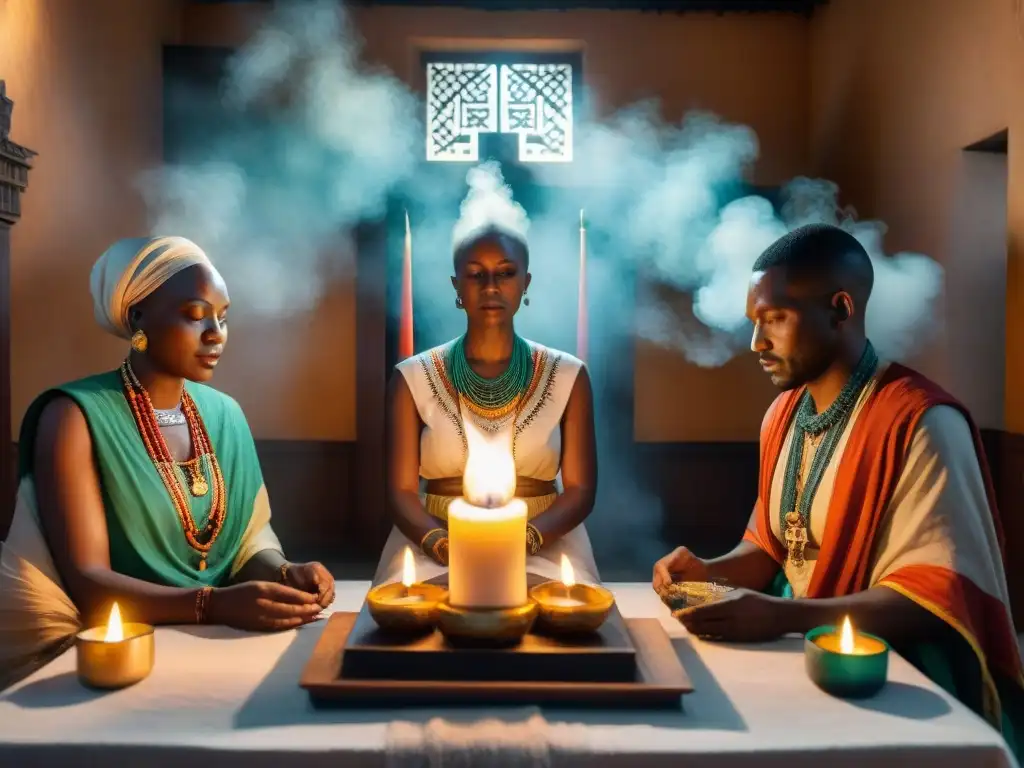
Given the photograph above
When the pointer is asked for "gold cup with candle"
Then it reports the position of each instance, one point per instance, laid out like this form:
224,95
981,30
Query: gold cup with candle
117,655
487,598
846,663
568,607
405,606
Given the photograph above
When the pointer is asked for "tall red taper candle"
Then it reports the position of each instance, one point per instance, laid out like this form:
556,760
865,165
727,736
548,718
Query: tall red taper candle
406,347
581,317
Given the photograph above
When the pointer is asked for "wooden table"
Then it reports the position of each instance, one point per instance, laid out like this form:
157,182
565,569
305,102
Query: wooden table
221,698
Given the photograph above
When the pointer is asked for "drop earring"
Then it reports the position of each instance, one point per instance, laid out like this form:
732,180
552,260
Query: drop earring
139,341
458,302
526,300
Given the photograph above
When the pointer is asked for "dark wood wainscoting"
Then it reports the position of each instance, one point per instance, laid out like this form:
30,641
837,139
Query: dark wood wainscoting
1005,452
312,494
706,492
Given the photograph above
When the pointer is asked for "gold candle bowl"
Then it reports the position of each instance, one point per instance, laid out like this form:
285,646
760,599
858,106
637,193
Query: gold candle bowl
398,608
475,625
116,664
578,609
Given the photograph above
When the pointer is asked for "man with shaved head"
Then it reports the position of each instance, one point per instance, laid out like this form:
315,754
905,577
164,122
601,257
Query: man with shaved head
874,496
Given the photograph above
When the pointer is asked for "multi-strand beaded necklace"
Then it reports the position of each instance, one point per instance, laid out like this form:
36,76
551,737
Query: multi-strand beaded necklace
170,471
826,427
490,399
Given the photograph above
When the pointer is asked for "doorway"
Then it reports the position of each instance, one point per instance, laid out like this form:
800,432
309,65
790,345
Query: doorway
976,280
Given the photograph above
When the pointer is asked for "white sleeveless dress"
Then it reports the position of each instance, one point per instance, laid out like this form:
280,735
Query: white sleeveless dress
537,450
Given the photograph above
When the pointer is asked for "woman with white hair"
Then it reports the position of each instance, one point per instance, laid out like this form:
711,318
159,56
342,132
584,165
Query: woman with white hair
141,485
491,383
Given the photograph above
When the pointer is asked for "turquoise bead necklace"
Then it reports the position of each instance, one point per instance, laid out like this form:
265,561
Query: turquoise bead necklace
829,425
491,397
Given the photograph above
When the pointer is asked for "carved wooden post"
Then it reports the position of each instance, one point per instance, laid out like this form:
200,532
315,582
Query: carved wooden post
15,162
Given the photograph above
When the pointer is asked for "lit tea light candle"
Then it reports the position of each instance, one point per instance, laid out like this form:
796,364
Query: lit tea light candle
487,530
846,663
568,582
116,655
566,607
408,579
405,606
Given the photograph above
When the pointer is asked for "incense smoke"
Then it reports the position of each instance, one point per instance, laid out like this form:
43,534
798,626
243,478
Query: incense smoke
677,213
299,144
309,142
305,142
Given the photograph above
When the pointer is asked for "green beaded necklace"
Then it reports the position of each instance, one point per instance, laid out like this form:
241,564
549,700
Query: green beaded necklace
832,421
494,394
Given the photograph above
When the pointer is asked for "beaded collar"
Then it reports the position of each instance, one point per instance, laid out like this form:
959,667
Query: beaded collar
828,426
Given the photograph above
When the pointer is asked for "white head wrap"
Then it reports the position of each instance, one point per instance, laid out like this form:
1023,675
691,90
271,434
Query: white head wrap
133,268
489,205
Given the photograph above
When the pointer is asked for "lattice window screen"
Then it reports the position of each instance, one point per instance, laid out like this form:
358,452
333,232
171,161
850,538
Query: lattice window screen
534,101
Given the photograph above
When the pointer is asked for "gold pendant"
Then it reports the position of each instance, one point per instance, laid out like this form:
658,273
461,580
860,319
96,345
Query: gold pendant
199,486
796,539
202,563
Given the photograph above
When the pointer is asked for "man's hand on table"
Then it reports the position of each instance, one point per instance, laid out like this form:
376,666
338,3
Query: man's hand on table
679,565
741,616
313,578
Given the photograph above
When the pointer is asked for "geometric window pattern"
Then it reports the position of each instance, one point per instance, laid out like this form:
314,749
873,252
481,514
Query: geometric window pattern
533,101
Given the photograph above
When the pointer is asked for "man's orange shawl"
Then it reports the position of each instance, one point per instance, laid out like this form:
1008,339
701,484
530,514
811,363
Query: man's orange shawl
870,469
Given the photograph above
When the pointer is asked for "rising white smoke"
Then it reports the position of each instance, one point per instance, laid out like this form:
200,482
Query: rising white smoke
665,192
308,143
317,142
488,204
314,143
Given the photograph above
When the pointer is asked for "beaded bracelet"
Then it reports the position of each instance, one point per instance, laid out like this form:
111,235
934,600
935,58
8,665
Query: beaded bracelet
435,544
534,541
202,604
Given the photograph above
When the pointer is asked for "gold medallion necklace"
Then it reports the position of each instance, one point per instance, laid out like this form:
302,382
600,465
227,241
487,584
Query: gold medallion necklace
201,540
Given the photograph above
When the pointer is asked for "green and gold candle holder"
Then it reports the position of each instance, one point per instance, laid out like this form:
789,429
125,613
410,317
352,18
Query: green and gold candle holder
855,669
398,608
571,610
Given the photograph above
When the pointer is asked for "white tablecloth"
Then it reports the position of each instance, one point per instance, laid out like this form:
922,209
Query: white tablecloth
221,698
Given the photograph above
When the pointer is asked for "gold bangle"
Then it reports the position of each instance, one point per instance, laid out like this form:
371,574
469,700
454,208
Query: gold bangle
283,575
534,541
441,550
435,544
431,538
202,604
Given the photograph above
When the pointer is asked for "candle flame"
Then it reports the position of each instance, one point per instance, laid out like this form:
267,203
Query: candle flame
408,569
568,576
115,630
846,637
489,479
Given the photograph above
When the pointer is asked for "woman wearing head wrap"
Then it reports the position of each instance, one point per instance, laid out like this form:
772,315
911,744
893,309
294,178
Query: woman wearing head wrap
491,382
142,485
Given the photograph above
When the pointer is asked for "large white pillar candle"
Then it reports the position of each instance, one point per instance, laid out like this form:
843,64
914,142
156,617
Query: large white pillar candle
487,555
487,528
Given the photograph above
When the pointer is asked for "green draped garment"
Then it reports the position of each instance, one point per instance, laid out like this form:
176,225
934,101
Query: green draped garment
146,537
952,664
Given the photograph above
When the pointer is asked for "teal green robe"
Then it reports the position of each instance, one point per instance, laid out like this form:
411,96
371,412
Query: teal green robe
146,537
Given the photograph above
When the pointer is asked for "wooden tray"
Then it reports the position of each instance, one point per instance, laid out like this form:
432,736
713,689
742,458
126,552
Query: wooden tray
660,680
606,656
